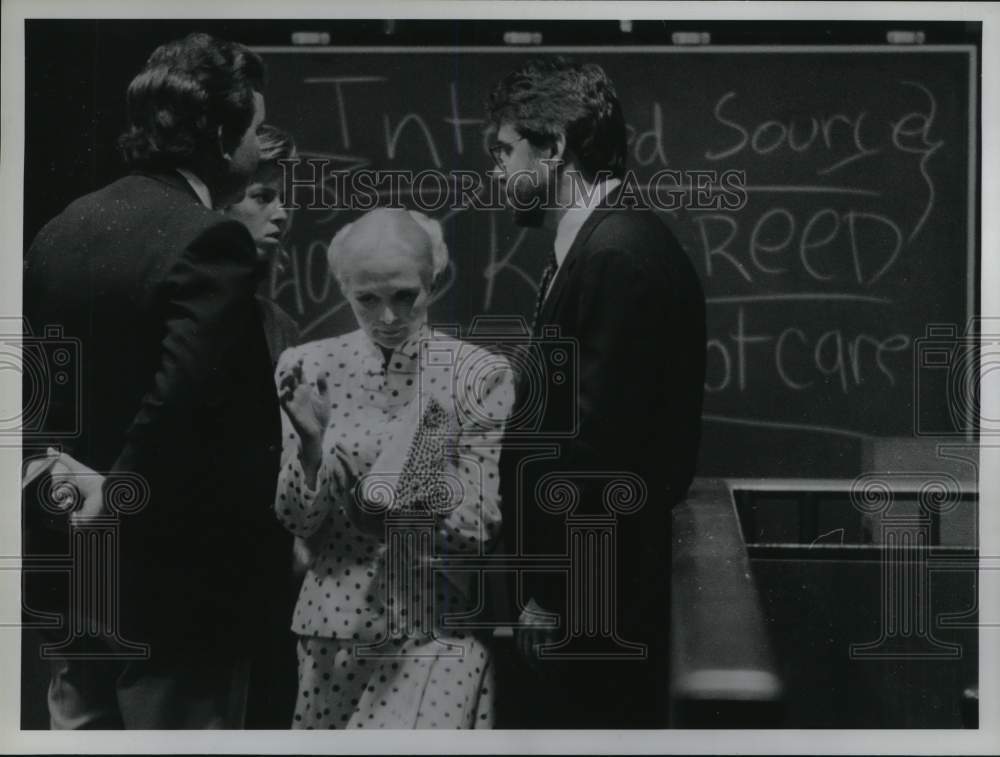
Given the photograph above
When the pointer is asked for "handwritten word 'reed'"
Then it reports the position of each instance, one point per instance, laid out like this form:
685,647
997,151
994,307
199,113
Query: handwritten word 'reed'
856,247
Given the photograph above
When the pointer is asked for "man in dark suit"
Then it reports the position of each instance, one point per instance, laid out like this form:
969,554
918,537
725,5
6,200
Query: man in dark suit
621,422
176,404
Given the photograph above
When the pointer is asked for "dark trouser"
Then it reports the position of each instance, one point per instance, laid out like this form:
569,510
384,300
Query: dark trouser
143,694
274,684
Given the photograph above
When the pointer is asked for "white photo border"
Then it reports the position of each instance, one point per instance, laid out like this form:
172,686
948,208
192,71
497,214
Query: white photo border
12,133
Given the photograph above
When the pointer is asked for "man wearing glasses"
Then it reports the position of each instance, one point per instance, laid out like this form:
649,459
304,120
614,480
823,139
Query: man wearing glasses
619,285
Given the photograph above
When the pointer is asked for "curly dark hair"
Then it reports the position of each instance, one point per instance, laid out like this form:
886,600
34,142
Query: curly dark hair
550,95
275,144
186,91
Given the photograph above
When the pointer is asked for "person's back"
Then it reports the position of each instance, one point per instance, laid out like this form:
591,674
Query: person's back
175,407
103,270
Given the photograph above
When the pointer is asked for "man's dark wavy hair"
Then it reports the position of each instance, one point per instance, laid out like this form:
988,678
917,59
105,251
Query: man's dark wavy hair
186,91
551,95
275,144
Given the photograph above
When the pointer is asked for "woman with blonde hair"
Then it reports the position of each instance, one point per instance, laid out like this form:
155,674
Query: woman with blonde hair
391,442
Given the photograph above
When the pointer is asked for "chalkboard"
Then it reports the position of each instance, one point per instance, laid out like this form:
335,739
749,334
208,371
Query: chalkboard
858,230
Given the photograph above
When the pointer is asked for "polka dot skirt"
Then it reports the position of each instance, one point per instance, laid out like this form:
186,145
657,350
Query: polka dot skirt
409,685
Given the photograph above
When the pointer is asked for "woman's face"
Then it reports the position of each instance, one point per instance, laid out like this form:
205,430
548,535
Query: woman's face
389,291
262,211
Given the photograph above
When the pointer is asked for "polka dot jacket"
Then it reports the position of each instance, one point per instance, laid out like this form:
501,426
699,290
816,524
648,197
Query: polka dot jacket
418,434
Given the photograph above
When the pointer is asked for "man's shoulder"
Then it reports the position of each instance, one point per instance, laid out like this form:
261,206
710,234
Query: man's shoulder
141,197
635,229
136,213
627,227
637,240
164,193
133,232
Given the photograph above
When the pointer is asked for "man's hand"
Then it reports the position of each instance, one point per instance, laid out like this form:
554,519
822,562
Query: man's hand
537,628
67,472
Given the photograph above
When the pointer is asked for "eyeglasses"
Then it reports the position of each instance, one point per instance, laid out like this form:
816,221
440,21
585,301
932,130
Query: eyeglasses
501,150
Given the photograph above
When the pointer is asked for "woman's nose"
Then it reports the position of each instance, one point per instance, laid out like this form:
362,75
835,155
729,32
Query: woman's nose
387,316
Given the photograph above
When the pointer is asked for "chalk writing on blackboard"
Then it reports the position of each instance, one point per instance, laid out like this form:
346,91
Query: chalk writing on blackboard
853,230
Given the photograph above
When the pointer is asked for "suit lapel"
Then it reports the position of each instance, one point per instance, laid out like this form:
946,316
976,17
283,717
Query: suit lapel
558,289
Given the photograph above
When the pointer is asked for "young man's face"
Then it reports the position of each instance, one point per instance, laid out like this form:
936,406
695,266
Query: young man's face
528,177
262,210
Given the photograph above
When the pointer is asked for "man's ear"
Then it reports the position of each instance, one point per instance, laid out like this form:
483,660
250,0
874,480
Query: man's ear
559,147
557,157
220,142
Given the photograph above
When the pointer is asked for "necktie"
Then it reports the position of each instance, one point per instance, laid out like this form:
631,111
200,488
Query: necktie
543,289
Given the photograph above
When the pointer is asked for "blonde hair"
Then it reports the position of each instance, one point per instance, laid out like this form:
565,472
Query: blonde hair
368,232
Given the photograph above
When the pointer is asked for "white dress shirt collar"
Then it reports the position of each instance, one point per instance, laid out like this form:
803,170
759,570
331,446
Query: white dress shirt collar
199,187
574,218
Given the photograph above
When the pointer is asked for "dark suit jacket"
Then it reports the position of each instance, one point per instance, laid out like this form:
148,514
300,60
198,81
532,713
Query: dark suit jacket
630,304
280,329
175,387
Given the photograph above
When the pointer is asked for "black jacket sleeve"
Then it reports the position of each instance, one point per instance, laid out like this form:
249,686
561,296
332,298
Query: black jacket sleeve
620,321
639,329
207,301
